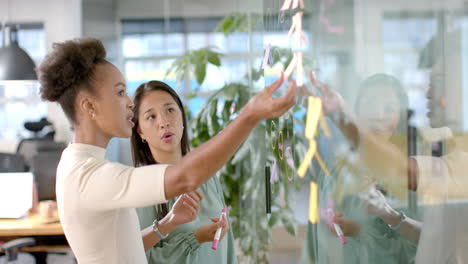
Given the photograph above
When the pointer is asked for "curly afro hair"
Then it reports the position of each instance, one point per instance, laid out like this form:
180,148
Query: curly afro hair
69,69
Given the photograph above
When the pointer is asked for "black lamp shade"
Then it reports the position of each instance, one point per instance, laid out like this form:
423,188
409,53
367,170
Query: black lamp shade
15,64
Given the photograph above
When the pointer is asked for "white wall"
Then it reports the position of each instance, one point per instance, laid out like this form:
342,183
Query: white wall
62,21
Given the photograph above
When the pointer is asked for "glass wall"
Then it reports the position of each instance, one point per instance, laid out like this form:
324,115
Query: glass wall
392,79
382,177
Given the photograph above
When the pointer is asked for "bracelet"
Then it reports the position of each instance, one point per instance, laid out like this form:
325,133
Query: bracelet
402,218
156,230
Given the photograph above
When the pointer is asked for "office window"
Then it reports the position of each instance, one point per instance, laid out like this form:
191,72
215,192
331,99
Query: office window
402,47
150,46
401,55
20,101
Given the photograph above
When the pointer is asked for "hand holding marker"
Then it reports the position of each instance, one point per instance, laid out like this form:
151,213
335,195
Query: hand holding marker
339,232
219,230
329,214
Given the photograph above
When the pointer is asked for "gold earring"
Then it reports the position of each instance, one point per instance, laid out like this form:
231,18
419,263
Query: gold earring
143,140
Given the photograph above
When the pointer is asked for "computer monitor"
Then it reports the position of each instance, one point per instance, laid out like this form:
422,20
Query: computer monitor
16,194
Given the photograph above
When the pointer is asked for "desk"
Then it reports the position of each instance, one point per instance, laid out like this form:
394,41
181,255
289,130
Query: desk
39,228
34,225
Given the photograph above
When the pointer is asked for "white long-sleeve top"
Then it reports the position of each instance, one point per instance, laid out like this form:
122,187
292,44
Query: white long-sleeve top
96,200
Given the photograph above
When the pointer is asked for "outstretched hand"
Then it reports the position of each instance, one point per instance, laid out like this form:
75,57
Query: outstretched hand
264,106
332,101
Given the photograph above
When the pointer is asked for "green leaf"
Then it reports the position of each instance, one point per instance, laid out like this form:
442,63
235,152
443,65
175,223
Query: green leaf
213,58
191,95
288,224
200,72
230,91
225,25
225,114
274,217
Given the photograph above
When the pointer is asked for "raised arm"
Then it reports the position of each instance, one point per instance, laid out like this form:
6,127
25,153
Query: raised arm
202,163
380,156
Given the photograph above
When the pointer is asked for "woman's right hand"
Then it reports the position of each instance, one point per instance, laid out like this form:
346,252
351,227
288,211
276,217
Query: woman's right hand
263,105
332,101
186,208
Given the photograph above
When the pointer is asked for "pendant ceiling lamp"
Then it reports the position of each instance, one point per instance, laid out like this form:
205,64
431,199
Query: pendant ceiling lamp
15,63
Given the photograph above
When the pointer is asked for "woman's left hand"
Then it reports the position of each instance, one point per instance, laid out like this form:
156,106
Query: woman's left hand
375,203
349,227
185,209
207,232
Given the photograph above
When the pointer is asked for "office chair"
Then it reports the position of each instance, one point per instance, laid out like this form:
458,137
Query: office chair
30,147
43,126
44,168
12,163
11,250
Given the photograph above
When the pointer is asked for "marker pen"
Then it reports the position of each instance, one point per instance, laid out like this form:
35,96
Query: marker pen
340,234
218,231
331,221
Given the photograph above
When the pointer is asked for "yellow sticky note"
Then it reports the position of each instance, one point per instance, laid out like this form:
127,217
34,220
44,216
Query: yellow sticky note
321,163
291,67
299,70
313,203
307,159
323,122
314,111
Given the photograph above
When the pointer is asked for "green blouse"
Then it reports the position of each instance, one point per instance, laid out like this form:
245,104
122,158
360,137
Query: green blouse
376,242
181,246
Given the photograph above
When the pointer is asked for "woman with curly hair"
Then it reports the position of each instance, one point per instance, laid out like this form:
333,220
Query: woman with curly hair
96,198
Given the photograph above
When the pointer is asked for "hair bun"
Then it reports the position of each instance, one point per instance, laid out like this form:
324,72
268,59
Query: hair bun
70,64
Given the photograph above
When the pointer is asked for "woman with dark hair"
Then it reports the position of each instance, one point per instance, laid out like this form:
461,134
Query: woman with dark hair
372,227
440,178
160,136
96,198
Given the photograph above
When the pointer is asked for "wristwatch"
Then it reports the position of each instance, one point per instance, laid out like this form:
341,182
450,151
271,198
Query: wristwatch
402,218
156,230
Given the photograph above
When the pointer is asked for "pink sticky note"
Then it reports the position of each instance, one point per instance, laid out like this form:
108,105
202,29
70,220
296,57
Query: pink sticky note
266,57
274,174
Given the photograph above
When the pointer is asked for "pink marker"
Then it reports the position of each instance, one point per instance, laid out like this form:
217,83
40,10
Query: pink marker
214,246
339,233
329,215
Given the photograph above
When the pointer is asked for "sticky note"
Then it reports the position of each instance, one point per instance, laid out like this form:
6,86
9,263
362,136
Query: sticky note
290,67
307,159
313,203
325,129
314,111
321,163
299,70
266,57
274,175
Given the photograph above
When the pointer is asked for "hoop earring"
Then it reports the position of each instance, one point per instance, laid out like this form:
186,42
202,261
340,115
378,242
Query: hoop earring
143,140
